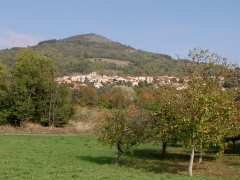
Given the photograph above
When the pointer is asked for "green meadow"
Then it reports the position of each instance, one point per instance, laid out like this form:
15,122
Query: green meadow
45,157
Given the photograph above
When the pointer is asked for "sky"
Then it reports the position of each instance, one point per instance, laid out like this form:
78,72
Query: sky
164,26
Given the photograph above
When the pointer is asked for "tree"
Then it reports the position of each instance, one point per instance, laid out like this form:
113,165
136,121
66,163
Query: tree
86,95
232,84
121,127
36,94
206,108
5,99
165,117
118,97
114,130
62,106
161,103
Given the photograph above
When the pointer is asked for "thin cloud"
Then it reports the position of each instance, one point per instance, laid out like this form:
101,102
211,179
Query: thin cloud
9,38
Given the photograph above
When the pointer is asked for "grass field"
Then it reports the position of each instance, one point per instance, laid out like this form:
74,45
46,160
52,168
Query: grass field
48,157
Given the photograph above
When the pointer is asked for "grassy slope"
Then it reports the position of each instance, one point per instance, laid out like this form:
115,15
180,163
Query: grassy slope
70,157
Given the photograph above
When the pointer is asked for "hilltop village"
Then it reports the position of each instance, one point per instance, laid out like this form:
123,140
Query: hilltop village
98,81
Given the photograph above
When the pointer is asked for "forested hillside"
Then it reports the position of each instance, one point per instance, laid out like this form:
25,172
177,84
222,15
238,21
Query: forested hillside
91,52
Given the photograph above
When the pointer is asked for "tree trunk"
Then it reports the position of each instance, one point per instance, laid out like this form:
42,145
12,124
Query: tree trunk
119,152
200,156
50,111
234,145
190,166
54,106
164,148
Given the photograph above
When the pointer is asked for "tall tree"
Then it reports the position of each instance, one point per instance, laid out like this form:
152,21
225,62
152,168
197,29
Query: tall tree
5,99
206,108
35,91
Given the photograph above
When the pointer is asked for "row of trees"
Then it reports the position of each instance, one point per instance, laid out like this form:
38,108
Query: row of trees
28,92
200,116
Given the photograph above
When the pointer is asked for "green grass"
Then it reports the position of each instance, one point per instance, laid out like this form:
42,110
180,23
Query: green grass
46,157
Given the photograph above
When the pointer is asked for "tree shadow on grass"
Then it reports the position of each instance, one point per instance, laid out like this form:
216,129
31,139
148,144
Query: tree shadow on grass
98,160
153,154
148,160
155,166
235,164
234,161
233,149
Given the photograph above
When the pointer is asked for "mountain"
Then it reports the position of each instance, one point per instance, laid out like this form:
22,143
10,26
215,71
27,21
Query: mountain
91,52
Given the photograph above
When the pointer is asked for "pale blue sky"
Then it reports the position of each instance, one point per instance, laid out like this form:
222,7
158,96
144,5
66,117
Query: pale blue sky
164,26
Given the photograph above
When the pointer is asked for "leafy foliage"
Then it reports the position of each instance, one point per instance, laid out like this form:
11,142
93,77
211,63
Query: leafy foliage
162,104
118,97
206,109
33,93
85,96
4,95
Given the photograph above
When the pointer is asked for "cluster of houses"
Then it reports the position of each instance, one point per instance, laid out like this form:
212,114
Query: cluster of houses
99,81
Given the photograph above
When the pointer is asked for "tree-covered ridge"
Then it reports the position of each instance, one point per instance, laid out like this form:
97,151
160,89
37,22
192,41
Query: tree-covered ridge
87,53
